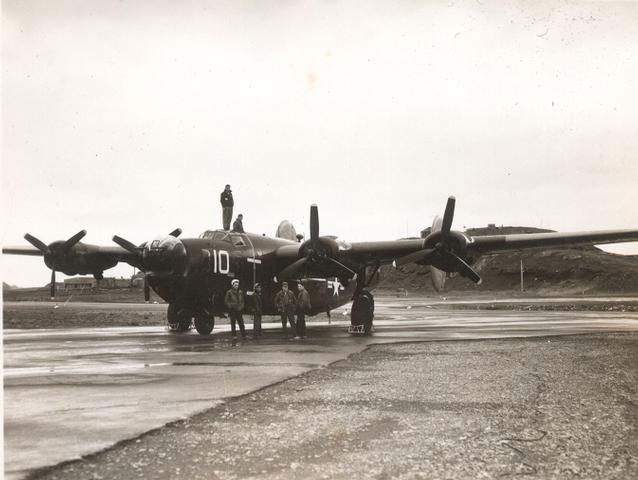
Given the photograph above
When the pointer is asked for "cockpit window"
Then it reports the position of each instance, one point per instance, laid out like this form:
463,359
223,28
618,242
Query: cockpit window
219,235
237,240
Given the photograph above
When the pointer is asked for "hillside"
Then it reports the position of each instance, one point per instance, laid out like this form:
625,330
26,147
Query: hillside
575,270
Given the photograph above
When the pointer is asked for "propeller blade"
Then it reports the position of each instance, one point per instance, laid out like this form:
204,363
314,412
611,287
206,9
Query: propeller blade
438,278
147,290
448,216
68,245
39,244
314,222
420,255
463,268
176,233
293,269
125,244
52,284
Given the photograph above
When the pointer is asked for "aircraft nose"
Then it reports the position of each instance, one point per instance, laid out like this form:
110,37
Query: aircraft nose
165,256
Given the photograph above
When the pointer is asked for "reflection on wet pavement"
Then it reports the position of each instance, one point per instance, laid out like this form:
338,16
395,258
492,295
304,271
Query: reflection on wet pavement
70,392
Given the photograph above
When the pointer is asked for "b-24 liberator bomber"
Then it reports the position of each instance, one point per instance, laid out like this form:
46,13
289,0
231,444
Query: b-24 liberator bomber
193,274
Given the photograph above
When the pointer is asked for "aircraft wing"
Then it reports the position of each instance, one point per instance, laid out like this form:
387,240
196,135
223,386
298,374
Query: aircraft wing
388,251
79,259
382,252
493,243
22,251
444,249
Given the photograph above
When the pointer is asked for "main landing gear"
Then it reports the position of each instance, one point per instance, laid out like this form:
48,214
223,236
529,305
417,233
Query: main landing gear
362,313
180,319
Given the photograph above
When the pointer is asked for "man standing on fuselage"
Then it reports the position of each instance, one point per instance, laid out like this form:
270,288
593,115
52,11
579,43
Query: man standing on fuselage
226,199
285,302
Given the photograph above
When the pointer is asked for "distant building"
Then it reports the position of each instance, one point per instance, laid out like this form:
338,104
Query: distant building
84,283
79,283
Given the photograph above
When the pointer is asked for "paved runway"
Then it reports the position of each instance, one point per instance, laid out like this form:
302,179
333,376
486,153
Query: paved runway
71,392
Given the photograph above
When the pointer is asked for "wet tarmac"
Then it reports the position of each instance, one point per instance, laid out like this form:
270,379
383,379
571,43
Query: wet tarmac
71,392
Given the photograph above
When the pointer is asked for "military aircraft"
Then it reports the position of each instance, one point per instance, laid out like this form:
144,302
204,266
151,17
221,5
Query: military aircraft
193,274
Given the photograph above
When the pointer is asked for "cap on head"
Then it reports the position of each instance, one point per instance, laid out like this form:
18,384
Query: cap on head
235,282
257,286
284,284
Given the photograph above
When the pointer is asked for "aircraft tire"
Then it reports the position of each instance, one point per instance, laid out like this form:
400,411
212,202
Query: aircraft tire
179,319
363,311
204,324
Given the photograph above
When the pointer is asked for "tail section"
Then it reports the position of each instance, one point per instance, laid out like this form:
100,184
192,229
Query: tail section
287,231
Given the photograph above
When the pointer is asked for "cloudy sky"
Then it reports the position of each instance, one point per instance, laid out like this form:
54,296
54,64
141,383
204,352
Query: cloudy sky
128,117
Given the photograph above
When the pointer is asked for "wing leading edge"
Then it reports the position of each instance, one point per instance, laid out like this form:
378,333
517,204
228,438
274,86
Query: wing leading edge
493,243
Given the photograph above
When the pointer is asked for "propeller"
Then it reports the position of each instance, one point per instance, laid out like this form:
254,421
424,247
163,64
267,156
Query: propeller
314,250
56,253
441,250
167,257
126,245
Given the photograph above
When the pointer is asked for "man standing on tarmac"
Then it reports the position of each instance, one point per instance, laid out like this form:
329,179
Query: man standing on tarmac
303,306
226,199
257,310
234,301
286,303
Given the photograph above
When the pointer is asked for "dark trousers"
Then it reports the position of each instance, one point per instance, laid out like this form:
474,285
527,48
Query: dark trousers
301,323
227,216
236,316
257,324
288,316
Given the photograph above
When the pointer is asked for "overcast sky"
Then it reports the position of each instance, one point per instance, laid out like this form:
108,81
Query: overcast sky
128,117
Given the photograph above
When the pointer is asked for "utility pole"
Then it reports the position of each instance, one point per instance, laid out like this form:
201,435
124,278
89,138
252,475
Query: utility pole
522,287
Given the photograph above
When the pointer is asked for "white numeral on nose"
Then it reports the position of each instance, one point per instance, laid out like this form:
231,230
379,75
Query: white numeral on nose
221,261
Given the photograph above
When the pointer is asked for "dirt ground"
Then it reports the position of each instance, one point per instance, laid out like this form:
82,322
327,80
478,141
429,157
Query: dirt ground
562,407
45,315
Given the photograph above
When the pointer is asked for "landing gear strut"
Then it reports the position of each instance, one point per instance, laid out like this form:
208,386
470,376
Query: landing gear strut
179,318
362,313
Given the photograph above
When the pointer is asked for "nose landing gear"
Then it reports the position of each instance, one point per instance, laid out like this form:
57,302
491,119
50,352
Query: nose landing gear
181,319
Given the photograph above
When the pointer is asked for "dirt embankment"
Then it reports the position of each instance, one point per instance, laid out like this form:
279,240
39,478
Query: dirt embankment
50,316
109,295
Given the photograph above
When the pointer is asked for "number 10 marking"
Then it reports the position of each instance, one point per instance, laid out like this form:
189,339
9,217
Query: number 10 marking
221,261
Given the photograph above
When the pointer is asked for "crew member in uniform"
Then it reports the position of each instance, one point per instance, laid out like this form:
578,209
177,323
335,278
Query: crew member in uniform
226,199
234,301
303,306
286,303
238,225
257,310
